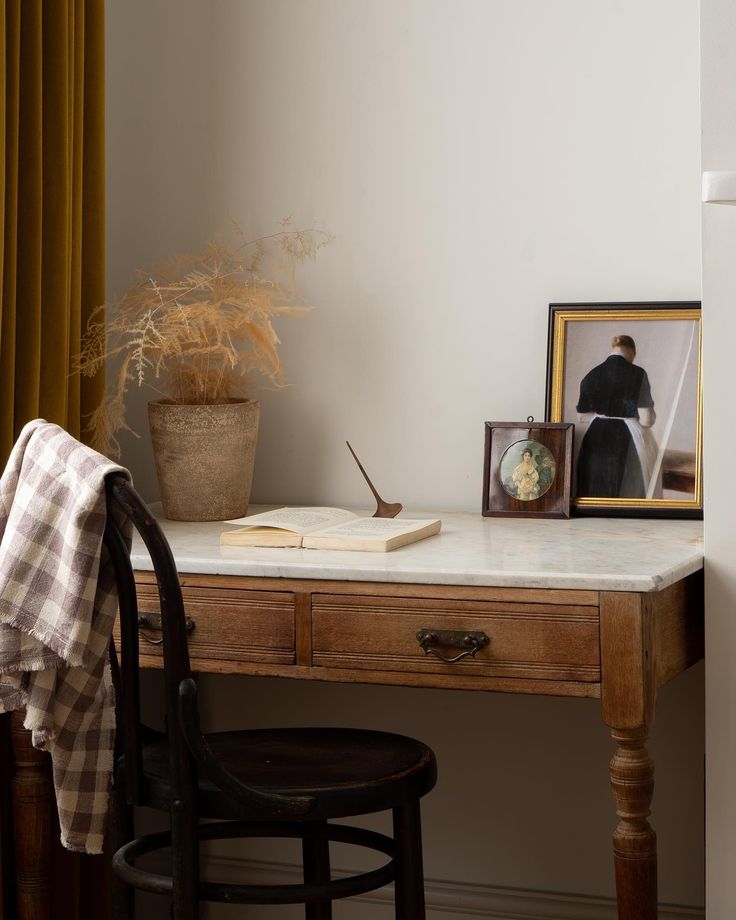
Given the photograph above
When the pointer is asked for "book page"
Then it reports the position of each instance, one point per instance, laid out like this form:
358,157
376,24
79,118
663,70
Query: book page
373,528
296,520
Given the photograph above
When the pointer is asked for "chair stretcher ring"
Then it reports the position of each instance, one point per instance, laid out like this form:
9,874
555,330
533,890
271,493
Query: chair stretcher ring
122,863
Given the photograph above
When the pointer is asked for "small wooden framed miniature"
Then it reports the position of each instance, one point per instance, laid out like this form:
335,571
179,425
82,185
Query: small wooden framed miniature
527,469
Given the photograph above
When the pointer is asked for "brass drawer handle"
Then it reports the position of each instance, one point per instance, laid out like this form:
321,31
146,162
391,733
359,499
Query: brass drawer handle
153,621
471,642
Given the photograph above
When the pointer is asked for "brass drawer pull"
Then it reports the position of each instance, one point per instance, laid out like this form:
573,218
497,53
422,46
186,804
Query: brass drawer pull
471,642
153,621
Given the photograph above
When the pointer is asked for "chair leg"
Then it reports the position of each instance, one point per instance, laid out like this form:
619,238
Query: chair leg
409,893
316,862
121,831
185,862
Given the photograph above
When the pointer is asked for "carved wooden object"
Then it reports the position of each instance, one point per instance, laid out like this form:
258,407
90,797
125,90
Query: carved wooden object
383,509
634,841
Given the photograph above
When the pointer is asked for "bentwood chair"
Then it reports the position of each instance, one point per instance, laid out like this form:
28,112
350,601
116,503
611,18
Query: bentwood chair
251,783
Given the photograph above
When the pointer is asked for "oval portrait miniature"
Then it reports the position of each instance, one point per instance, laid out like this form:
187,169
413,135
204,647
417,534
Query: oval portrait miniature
527,470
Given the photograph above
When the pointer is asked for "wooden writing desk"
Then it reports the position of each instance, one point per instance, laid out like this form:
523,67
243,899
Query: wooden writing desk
603,608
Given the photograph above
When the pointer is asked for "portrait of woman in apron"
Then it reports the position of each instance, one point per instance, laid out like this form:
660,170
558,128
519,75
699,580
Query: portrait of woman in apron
618,455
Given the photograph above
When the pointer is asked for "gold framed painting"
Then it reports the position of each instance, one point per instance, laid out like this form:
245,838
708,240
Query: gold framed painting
628,376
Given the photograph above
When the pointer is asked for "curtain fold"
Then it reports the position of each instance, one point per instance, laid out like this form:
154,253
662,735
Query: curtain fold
52,197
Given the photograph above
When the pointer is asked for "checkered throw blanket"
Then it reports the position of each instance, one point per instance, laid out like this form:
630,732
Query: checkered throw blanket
57,608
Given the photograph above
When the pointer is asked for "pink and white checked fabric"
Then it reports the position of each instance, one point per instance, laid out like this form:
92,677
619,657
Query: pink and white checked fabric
57,608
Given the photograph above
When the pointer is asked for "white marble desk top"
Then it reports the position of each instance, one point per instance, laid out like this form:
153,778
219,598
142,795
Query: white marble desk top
607,554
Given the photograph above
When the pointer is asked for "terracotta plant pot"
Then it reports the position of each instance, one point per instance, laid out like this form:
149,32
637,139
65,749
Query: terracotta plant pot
204,457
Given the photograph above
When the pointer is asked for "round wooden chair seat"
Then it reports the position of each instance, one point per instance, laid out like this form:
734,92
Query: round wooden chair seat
348,771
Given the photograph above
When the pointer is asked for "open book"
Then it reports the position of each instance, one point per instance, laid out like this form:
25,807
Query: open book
327,528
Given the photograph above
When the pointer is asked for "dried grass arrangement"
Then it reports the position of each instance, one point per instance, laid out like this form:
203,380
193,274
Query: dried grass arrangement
198,330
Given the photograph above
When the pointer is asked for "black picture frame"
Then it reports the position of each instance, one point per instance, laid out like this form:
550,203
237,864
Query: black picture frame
673,477
550,449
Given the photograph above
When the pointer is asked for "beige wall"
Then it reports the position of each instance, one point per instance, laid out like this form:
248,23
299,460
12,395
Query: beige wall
476,161
718,93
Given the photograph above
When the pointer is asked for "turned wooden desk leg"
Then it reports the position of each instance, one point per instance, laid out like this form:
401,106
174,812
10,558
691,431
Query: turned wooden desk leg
32,802
634,841
627,697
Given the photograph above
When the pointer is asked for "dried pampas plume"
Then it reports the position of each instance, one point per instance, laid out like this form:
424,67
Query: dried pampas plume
198,329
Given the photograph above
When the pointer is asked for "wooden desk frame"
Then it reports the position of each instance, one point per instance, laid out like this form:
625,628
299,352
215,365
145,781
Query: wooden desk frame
620,647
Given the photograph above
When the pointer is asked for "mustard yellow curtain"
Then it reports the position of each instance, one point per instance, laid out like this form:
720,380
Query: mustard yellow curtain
52,244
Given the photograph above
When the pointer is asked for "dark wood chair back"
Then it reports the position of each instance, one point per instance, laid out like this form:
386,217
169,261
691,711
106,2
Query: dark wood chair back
123,501
189,754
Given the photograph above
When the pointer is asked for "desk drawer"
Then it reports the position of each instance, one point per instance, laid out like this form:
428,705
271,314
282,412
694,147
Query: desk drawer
231,625
540,641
